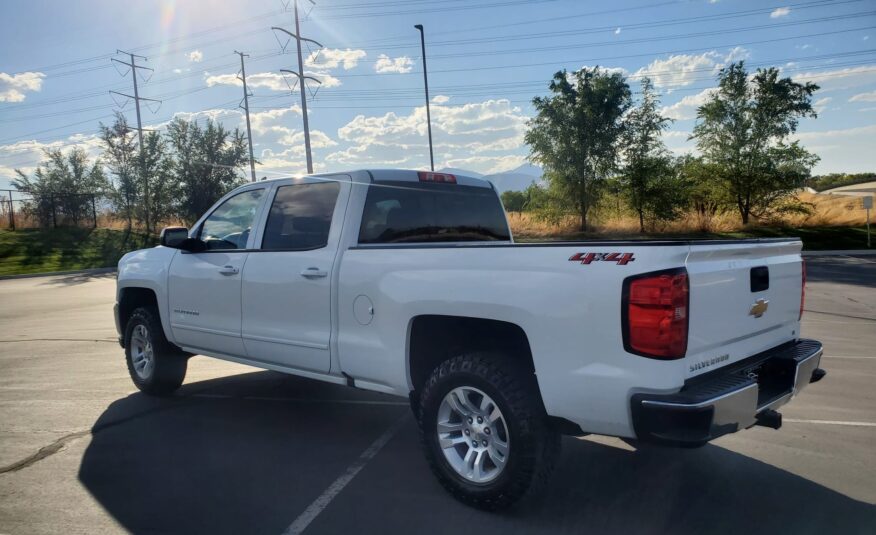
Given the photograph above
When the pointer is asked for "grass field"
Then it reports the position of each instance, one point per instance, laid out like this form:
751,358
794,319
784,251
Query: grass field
65,249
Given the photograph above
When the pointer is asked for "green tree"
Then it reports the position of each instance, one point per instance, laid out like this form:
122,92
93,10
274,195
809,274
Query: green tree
63,186
513,200
205,165
706,192
647,176
574,136
120,155
164,188
743,130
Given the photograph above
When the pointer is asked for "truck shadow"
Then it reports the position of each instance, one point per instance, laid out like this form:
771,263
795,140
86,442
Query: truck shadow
249,453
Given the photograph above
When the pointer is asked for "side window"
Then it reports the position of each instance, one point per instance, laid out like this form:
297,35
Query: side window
229,225
301,216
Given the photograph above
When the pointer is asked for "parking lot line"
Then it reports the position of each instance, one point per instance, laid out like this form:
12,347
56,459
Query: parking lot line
314,509
830,422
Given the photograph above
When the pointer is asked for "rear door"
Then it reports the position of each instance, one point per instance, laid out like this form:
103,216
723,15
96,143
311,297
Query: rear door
287,280
744,299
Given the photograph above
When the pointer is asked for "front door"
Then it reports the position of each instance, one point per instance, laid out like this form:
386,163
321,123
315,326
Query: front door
287,279
204,288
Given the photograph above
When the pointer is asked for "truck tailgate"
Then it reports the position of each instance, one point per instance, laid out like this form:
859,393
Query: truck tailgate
744,299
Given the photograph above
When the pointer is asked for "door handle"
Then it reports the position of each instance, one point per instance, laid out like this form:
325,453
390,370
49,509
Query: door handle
229,270
313,273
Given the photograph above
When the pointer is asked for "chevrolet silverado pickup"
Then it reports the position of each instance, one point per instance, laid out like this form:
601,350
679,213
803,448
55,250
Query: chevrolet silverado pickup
409,283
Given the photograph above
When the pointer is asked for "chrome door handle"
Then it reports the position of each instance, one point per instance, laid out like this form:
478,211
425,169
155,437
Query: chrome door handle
313,273
229,270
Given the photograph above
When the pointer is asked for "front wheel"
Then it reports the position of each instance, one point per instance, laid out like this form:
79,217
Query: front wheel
485,432
156,366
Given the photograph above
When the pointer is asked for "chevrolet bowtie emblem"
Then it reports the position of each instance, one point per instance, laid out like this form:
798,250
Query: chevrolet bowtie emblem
759,307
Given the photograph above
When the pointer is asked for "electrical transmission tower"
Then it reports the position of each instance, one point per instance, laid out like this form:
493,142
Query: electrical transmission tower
245,106
137,98
301,80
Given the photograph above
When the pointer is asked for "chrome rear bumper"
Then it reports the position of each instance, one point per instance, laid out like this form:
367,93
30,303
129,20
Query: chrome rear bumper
732,398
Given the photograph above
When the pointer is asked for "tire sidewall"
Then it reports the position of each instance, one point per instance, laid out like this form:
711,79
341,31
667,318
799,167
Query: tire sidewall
520,437
138,318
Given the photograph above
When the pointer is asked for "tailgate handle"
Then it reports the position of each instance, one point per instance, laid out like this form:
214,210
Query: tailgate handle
760,279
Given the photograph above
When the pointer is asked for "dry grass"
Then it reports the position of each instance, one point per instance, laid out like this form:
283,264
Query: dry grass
827,211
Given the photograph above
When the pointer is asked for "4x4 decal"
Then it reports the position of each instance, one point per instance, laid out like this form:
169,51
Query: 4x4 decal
621,259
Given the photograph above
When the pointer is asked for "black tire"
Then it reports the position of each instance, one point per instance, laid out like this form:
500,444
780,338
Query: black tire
535,446
169,363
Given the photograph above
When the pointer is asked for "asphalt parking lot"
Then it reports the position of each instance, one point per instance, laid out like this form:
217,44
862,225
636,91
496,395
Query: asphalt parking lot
240,450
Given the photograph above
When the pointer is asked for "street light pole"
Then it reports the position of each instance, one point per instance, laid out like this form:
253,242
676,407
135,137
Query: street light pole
426,83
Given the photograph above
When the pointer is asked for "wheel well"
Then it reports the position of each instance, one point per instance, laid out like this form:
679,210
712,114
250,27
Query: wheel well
130,300
435,339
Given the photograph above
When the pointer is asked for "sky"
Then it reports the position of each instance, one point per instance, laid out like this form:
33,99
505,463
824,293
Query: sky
487,59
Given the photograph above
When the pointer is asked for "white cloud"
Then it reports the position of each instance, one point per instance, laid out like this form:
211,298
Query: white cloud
466,131
686,108
815,137
486,164
14,86
385,64
272,80
780,12
864,97
821,104
331,58
684,69
195,56
845,150
838,79
440,99
28,154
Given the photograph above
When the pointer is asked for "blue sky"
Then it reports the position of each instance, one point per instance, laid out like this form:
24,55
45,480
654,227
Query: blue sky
486,59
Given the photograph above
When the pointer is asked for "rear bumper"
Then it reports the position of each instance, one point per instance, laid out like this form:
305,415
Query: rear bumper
727,400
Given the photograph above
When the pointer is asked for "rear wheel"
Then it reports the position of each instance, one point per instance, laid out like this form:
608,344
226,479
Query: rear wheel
484,430
156,366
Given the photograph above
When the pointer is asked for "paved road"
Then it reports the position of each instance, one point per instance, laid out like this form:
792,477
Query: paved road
247,451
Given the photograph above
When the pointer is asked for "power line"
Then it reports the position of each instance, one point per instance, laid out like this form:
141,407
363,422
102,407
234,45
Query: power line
302,78
137,98
246,108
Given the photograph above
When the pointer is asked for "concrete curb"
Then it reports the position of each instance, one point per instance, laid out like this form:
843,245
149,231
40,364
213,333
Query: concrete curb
854,252
95,271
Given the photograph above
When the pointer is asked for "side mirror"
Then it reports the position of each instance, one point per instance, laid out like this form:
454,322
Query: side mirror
173,236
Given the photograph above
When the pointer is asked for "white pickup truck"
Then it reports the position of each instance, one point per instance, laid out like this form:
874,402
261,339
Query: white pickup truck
409,283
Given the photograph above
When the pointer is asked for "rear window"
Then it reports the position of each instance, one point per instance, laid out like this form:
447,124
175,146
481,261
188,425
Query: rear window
405,212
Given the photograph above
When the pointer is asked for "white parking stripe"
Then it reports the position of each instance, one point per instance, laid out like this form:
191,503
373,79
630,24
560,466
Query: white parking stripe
845,357
830,422
314,509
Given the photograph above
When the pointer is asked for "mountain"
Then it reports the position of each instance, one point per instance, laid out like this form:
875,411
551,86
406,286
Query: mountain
514,180
511,181
457,171
529,169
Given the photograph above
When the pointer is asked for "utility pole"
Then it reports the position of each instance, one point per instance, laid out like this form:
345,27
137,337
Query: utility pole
137,98
246,108
301,79
426,83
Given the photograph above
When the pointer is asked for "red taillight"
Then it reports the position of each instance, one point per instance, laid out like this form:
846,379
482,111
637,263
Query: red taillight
655,314
444,178
802,287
